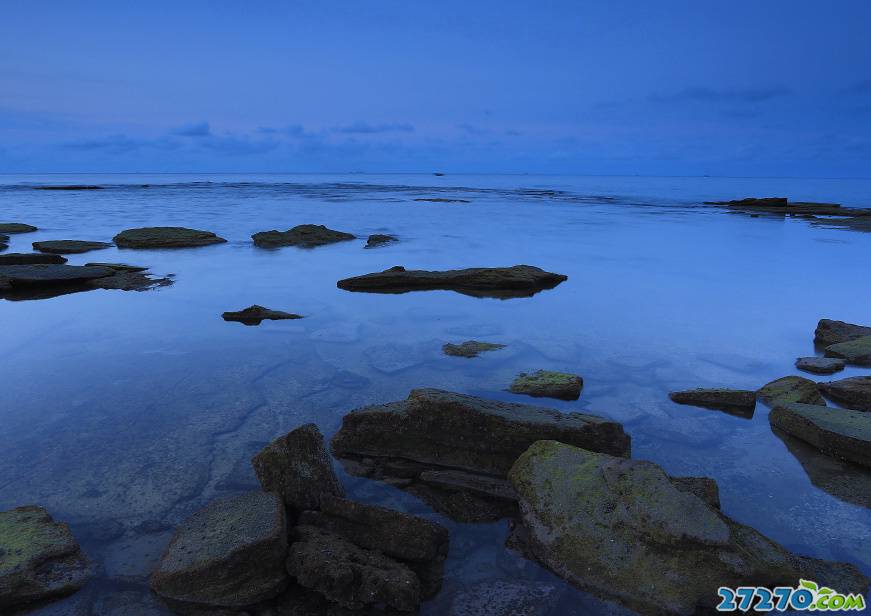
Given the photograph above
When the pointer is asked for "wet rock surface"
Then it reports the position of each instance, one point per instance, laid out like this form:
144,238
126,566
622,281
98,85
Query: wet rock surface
16,227
121,267
790,389
622,529
820,365
165,237
44,281
500,282
31,258
843,433
548,384
781,205
856,351
39,558
304,236
69,247
380,239
4,242
829,332
735,401
470,348
853,393
254,315
298,468
229,554
49,274
506,598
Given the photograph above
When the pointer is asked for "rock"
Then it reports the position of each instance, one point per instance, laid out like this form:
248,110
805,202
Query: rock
781,206
121,267
68,187
4,242
830,332
703,487
379,239
820,365
738,401
444,429
842,433
42,274
296,466
854,393
165,237
304,236
39,558
31,258
414,541
466,497
351,576
548,384
442,200
69,247
228,554
470,348
790,389
128,281
753,202
503,282
507,598
16,227
856,351
622,529
254,315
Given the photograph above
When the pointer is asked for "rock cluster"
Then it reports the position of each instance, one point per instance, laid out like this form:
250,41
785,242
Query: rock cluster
43,280
304,236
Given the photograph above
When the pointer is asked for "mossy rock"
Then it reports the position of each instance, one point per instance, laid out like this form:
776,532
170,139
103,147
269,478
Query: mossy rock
791,389
548,384
470,348
856,351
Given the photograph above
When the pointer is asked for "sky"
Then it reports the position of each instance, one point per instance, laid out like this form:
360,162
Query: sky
672,87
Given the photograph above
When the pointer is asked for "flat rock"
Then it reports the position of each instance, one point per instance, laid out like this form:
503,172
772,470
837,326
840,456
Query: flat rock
737,400
820,365
16,227
446,429
165,237
229,554
503,282
298,468
304,236
121,267
379,239
753,201
31,258
69,247
622,529
831,332
548,384
351,576
507,598
441,200
856,351
125,280
44,274
470,348
854,393
842,433
790,389
254,315
68,187
39,558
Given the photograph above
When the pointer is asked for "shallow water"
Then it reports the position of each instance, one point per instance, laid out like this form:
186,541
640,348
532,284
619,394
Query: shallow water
124,408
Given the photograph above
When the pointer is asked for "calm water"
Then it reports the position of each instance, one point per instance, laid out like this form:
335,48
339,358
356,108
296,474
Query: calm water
124,412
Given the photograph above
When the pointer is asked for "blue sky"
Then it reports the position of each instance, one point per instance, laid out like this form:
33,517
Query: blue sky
671,87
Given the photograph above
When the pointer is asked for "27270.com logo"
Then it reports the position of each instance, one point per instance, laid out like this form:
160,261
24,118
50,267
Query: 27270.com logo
807,596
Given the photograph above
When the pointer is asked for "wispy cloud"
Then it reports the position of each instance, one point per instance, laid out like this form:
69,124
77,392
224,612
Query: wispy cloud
198,129
364,128
711,95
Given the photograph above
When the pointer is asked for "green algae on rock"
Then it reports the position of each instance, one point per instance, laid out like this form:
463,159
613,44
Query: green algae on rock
548,384
791,389
856,351
843,433
470,348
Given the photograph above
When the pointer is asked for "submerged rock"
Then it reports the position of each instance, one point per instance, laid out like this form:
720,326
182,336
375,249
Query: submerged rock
254,315
790,389
351,576
820,365
39,558
69,247
737,401
229,554
515,281
623,529
165,237
296,466
470,348
304,236
854,393
842,433
379,239
548,384
31,258
16,227
831,332
856,351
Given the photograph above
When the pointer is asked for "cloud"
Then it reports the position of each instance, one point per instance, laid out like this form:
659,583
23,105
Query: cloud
711,95
364,128
199,129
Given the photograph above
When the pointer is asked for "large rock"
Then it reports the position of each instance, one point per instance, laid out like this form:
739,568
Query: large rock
254,315
69,247
304,236
622,529
854,393
296,466
231,553
856,351
351,576
31,258
16,227
165,237
831,332
790,389
842,433
736,401
39,558
417,542
820,365
445,429
515,281
470,348
44,274
548,384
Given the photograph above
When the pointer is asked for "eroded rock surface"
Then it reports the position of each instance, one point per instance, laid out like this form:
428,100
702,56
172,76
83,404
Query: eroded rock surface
165,237
548,384
470,348
842,433
69,247
790,389
854,393
304,236
831,332
820,365
254,315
